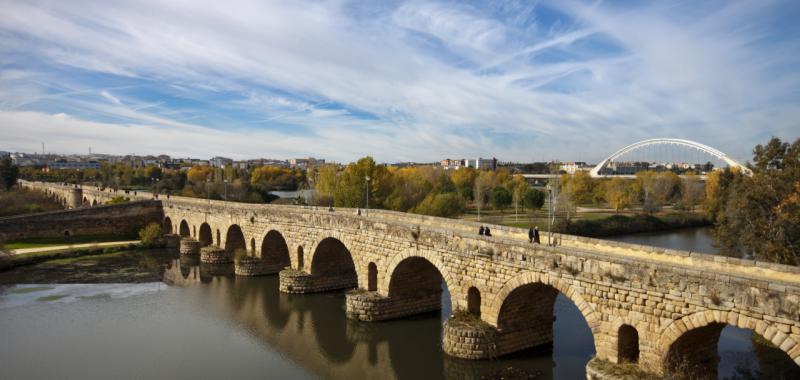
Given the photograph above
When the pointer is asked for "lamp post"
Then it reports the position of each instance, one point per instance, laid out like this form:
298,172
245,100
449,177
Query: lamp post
226,191
208,190
367,193
549,213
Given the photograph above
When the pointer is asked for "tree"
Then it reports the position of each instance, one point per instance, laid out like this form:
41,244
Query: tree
151,235
8,173
443,204
578,187
500,198
758,215
518,186
619,194
533,199
657,188
692,190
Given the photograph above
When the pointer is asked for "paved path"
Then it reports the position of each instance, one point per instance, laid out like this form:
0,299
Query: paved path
70,246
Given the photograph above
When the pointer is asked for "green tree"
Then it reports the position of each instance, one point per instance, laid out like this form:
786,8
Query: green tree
533,199
441,204
151,235
758,214
500,198
8,173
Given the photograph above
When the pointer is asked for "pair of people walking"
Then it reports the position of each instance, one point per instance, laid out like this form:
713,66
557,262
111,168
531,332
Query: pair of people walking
533,235
484,231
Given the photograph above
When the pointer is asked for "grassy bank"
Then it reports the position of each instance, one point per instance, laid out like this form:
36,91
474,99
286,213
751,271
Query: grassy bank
629,224
13,261
55,241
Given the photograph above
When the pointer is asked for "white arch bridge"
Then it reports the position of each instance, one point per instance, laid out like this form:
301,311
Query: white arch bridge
596,171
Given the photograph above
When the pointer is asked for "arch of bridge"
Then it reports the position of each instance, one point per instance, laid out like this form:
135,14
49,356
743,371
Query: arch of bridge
591,316
356,254
385,276
671,333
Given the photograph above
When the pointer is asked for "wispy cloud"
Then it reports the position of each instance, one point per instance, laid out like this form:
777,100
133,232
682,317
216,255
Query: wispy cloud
406,81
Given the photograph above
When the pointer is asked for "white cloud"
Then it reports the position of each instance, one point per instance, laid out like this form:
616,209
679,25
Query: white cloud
485,85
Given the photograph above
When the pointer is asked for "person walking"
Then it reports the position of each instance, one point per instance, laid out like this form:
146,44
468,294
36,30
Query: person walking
480,230
530,235
487,232
536,235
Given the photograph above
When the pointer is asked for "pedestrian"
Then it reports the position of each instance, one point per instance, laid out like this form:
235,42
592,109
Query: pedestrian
487,232
536,235
358,211
530,235
480,230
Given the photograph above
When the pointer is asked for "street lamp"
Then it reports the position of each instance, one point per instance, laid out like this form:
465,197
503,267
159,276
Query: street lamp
208,190
226,191
367,178
549,213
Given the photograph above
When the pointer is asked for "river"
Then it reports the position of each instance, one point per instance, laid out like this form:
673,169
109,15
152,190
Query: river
203,322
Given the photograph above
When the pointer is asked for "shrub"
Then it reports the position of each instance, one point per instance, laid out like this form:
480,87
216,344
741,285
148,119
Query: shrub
151,235
117,200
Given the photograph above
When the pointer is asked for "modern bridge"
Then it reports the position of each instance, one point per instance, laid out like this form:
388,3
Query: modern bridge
643,304
596,172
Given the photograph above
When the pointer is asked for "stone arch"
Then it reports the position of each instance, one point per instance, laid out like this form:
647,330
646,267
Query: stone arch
523,312
591,316
184,228
167,225
627,344
372,277
676,340
416,282
274,252
300,257
432,258
205,237
333,265
234,240
474,301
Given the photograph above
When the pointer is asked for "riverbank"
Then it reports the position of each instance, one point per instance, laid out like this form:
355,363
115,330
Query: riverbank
11,261
125,264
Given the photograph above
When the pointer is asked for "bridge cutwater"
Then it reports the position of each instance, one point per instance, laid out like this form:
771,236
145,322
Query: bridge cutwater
643,304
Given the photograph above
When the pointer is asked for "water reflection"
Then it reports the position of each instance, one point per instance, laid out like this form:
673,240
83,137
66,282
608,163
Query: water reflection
313,331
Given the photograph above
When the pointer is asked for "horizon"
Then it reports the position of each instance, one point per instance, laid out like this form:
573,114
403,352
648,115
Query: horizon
398,81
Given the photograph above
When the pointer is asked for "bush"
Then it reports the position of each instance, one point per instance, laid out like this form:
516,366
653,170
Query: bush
116,200
151,236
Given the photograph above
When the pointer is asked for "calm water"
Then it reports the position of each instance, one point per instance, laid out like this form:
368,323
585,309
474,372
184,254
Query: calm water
202,322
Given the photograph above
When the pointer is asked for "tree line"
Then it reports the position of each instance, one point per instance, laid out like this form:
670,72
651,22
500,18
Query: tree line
424,190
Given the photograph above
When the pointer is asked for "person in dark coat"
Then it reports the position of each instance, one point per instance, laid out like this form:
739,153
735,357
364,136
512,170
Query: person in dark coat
487,232
480,231
530,235
536,235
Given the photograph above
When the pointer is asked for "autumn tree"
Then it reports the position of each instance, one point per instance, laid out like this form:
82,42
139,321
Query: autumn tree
758,215
692,190
619,193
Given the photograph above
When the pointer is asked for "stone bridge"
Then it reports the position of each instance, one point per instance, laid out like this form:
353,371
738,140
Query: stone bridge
657,307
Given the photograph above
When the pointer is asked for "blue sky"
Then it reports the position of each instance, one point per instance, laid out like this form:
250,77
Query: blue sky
398,80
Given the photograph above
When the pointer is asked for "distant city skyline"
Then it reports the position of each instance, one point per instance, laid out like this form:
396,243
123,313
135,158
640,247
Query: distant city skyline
401,81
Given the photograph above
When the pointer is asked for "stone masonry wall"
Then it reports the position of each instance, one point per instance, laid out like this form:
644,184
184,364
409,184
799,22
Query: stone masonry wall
120,219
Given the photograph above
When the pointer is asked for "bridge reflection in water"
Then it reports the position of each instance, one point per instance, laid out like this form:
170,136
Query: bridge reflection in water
312,330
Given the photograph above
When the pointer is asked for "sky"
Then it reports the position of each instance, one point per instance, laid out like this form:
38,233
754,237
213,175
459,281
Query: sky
397,80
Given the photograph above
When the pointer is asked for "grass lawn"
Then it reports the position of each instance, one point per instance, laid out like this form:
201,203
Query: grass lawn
47,242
